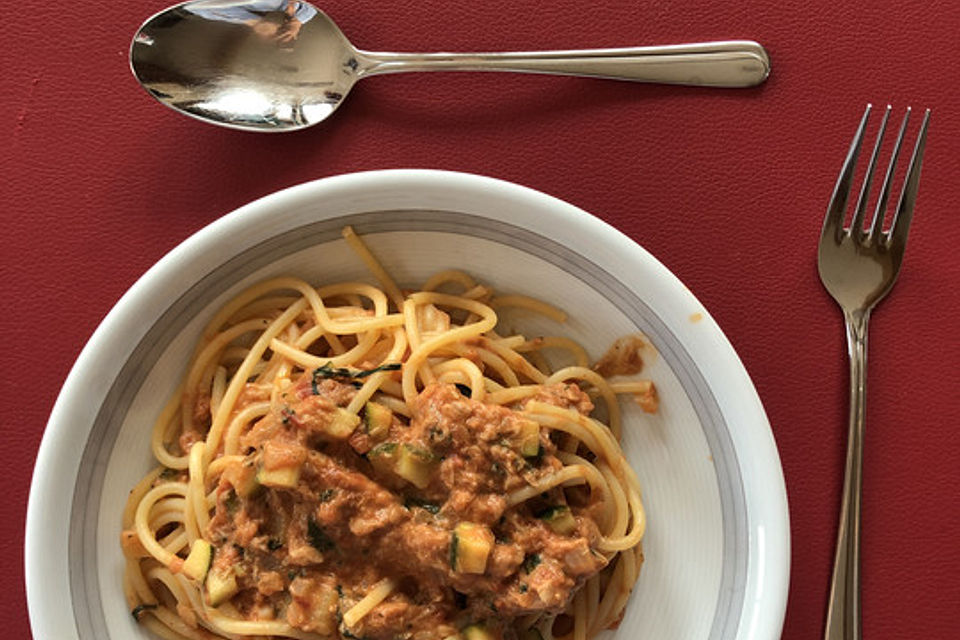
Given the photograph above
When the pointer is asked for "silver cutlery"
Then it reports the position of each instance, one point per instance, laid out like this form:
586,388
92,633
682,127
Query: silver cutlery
858,267
281,65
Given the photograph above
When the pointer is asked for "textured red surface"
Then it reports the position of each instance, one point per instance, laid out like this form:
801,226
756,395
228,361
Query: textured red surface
727,188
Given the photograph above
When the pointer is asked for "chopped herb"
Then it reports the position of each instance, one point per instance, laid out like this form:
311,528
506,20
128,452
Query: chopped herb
493,607
393,366
349,635
347,375
464,389
240,551
140,608
549,512
287,415
167,474
319,540
523,587
530,562
412,501
500,535
531,634
273,544
326,495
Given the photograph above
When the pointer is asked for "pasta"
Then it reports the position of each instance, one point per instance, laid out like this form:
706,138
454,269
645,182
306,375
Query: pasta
351,461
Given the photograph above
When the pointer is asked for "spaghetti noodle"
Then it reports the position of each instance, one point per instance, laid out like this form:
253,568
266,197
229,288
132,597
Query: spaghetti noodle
368,463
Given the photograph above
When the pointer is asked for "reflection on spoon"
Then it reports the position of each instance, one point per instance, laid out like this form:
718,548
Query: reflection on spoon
281,65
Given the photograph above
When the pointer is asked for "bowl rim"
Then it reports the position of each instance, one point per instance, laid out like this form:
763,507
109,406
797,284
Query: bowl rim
45,548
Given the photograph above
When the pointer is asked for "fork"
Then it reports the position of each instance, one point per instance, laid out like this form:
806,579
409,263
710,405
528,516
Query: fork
858,267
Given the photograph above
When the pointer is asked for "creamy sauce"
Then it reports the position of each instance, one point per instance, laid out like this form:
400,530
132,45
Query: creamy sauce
623,358
306,554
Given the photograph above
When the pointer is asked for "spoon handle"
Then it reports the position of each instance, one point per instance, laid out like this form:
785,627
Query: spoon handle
732,63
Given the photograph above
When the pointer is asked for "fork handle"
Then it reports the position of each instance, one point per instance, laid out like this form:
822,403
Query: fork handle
843,610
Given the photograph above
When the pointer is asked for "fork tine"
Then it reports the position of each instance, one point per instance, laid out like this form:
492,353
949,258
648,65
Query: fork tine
900,227
833,221
876,227
856,225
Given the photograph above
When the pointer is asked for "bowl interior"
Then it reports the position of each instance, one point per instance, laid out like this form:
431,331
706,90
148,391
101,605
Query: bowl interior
698,568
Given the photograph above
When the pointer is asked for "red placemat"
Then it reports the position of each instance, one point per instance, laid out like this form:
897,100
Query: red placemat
726,187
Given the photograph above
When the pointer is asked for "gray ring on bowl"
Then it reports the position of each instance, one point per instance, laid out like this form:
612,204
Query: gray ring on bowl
85,593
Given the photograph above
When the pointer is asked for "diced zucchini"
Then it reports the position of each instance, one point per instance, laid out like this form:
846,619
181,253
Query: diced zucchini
199,560
529,437
342,424
284,477
220,587
378,419
415,465
412,463
471,547
383,457
559,518
477,632
243,477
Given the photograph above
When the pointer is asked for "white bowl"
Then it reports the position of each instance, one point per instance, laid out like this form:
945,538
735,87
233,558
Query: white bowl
717,543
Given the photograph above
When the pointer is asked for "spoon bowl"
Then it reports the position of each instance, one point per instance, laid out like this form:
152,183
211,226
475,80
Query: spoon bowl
282,65
203,62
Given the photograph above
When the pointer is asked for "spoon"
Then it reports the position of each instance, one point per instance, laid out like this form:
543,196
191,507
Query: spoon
282,65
